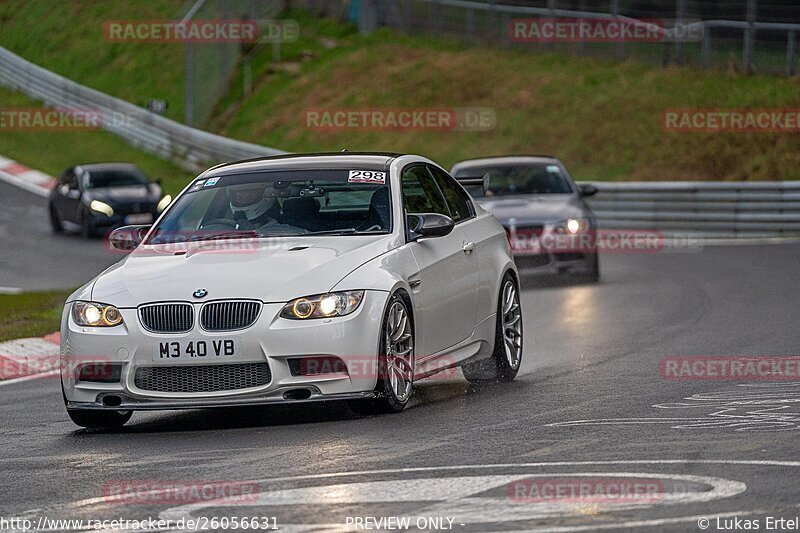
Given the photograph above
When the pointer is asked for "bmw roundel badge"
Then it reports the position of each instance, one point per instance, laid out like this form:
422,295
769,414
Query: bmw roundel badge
200,293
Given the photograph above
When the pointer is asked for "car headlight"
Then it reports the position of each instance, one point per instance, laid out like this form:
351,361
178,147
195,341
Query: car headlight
95,314
164,203
323,305
102,207
573,225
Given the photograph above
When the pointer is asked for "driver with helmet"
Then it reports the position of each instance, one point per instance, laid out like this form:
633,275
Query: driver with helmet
253,208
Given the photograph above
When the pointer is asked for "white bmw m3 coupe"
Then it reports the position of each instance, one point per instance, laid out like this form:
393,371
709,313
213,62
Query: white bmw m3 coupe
292,279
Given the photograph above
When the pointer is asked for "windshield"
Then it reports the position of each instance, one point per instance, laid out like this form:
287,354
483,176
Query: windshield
279,204
506,180
98,179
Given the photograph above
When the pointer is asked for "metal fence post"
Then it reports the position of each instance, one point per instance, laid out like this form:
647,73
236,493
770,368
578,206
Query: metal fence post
469,22
705,49
791,54
619,49
188,84
551,7
680,21
749,36
581,43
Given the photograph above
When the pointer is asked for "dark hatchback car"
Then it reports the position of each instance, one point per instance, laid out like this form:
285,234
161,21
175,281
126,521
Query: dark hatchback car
99,197
550,227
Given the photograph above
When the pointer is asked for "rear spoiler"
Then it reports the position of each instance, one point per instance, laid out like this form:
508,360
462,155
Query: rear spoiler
474,181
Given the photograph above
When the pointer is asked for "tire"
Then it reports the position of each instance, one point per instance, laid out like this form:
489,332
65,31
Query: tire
87,228
55,220
593,275
506,358
395,362
99,419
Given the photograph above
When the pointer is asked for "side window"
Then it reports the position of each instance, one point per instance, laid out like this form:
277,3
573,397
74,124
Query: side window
68,178
460,206
420,192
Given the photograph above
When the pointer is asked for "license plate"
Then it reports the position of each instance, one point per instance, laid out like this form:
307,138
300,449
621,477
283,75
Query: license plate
196,350
142,218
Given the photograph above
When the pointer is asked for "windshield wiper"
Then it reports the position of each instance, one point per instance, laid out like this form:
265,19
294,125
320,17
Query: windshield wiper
344,231
225,235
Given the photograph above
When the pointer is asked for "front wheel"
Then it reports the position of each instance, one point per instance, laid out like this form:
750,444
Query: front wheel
99,419
593,269
55,220
506,358
395,362
87,226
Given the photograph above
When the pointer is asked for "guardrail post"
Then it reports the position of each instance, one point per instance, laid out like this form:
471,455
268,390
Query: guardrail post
749,36
791,54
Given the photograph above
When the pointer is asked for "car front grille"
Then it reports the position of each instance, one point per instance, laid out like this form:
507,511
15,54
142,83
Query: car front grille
202,378
134,208
229,316
167,318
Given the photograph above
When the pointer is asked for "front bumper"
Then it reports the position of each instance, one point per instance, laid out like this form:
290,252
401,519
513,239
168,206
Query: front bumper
271,340
100,221
538,248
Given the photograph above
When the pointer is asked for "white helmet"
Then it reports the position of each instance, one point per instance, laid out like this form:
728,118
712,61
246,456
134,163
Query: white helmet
250,200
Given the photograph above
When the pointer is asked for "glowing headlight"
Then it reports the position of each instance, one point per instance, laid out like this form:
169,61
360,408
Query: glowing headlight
574,225
323,305
95,314
164,203
102,207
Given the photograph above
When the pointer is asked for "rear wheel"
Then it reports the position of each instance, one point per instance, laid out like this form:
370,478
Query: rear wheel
99,419
55,220
395,362
506,359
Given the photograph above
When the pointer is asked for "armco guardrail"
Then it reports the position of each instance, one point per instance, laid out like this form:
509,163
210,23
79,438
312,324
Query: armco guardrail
703,209
191,148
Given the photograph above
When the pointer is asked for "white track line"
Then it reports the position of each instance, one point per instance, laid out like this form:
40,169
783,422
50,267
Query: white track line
28,378
10,290
24,184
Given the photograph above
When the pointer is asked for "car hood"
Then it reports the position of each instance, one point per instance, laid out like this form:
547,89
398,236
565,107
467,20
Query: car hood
271,270
534,207
112,195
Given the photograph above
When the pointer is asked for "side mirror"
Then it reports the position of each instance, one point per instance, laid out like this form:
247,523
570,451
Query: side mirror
429,225
475,181
127,237
587,189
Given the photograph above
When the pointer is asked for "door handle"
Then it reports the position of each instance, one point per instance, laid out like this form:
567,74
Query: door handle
468,247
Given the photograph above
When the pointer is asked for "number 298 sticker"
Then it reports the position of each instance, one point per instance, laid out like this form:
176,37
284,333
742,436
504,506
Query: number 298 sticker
366,176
